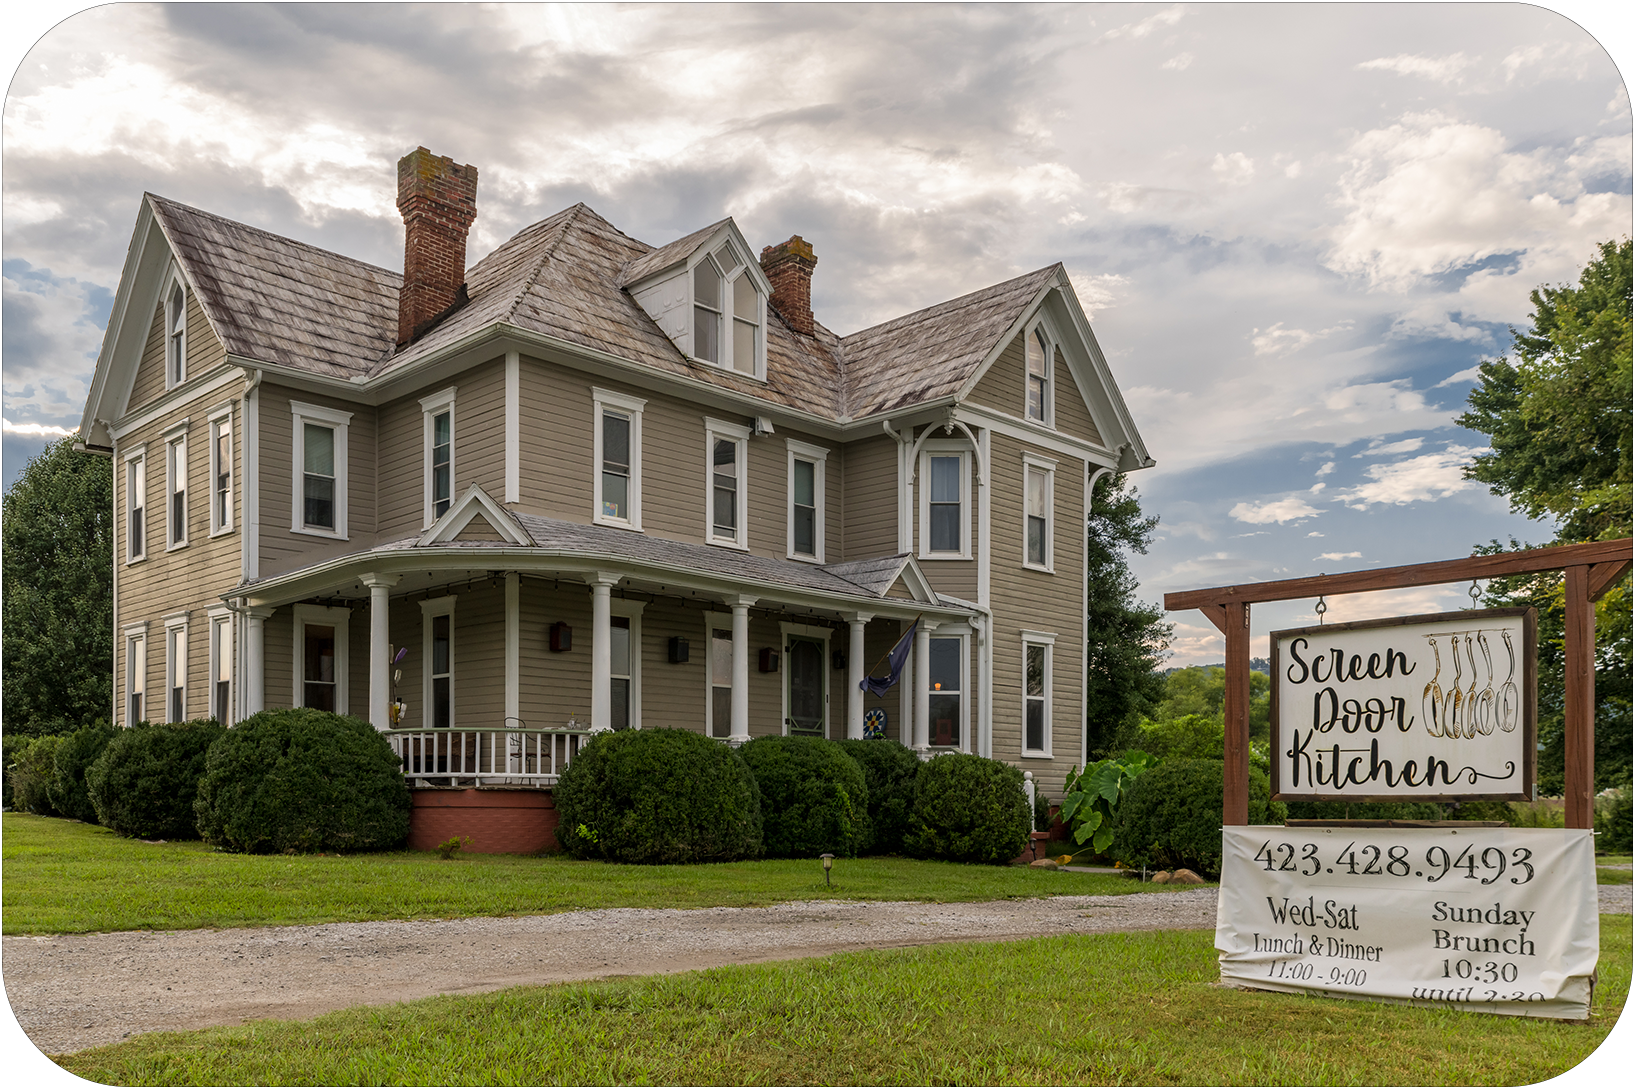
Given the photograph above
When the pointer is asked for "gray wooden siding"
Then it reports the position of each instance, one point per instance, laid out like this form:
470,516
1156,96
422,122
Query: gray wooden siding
869,517
282,549
204,352
557,441
1004,386
1071,413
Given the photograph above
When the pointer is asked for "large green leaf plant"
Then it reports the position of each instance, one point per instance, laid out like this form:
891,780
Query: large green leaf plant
1092,796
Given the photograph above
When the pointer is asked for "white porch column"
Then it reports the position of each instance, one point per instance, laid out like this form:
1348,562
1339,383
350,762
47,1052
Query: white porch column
921,687
513,649
855,675
601,649
255,647
380,647
740,669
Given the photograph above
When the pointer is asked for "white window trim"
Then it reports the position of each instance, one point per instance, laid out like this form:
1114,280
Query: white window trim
439,402
217,415
942,448
818,456
303,413
1031,461
632,407
712,622
438,607
962,633
175,622
721,429
135,634
136,454
340,618
1045,640
623,607
221,617
175,369
728,314
175,440
1051,341
810,632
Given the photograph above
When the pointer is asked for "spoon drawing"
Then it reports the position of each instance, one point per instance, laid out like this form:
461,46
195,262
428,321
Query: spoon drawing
1486,706
1432,695
1509,696
1455,696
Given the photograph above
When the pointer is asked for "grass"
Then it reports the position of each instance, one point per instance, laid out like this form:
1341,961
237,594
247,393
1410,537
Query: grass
1077,1010
63,876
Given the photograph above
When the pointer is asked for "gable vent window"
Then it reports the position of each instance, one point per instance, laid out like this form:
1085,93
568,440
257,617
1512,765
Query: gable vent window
176,336
1038,377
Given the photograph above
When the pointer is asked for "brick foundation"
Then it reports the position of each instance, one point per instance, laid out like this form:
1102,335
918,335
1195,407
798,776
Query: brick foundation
497,820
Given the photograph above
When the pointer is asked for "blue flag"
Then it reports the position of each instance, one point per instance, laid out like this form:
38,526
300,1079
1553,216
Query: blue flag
879,686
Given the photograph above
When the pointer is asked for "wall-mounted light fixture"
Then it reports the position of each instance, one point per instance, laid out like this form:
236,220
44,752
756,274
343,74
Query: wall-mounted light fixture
768,660
561,636
679,649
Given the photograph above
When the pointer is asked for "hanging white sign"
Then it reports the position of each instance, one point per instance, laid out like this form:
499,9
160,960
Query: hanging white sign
1498,920
1429,707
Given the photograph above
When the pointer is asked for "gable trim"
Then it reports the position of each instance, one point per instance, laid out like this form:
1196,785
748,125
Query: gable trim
475,502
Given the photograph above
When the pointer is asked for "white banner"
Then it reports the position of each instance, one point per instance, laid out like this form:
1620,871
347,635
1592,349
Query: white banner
1430,707
1498,920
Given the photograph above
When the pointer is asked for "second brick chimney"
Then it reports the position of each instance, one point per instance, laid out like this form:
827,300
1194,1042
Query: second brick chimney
789,266
438,200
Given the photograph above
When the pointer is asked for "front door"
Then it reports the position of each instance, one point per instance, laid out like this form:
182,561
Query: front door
808,696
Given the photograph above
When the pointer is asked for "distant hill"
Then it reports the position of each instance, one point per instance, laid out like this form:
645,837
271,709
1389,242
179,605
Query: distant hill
1262,665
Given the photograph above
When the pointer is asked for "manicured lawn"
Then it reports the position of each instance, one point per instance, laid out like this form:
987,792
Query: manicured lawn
63,876
1079,1010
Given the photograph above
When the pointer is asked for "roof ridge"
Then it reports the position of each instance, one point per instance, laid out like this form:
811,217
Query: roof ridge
171,203
549,252
950,304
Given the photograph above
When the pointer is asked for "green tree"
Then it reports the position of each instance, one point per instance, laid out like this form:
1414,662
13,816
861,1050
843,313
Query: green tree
57,571
1200,691
1127,638
1559,418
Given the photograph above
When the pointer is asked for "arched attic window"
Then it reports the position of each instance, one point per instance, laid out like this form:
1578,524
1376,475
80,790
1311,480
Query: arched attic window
724,293
175,335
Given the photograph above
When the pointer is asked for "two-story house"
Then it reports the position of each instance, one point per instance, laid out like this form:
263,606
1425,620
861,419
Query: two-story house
592,482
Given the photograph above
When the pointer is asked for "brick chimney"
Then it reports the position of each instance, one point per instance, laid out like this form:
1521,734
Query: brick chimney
789,266
438,200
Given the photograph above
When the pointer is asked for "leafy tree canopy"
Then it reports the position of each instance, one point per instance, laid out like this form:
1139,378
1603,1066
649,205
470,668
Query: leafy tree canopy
57,571
1127,638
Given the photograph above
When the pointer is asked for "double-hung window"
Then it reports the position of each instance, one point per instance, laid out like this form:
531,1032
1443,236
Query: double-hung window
136,673
221,470
175,334
625,661
438,413
618,459
321,644
946,680
319,484
807,466
1038,477
176,489
136,501
725,293
1040,395
719,710
176,668
437,616
944,501
728,473
221,666
1037,654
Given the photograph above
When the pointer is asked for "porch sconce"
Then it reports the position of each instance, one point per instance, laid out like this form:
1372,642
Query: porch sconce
679,650
828,868
768,660
838,659
561,637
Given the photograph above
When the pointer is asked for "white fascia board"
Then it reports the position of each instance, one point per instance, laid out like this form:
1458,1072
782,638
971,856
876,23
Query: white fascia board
140,281
209,382
1106,383
1035,434
475,502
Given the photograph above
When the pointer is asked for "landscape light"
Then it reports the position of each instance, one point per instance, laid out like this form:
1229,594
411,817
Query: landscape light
828,867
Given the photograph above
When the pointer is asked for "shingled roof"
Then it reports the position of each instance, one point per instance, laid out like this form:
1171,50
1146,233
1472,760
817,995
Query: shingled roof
284,302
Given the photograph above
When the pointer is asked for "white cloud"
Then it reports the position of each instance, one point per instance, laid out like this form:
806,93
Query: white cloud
1166,18
1378,446
1440,69
1338,556
1277,341
37,431
1318,486
1179,63
1233,169
1468,374
1427,477
1097,292
1316,533
1327,467
1287,509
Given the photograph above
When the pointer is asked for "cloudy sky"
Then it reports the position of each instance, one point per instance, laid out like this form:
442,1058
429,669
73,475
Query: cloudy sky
1296,228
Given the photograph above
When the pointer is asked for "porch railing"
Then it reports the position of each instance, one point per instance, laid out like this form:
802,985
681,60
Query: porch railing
486,756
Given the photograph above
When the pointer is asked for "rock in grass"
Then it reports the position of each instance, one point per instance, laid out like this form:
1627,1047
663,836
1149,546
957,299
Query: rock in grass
1045,864
1162,877
1185,877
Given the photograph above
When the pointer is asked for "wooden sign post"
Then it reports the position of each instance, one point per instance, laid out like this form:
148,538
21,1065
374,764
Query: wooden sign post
1591,570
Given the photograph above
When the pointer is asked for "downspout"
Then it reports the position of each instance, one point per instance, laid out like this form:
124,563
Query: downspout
249,498
1092,476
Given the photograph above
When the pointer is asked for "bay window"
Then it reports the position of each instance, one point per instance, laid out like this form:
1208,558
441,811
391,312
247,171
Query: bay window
176,490
221,471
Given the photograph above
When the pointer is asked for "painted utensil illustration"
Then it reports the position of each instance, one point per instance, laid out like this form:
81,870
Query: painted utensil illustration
1470,723
1486,711
1433,695
1452,711
1509,696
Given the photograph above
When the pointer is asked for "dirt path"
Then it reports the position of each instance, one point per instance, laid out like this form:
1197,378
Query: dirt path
75,991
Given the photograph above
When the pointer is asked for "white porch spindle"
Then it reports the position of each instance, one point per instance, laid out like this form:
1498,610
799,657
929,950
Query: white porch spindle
255,645
740,669
601,650
855,675
380,647
921,687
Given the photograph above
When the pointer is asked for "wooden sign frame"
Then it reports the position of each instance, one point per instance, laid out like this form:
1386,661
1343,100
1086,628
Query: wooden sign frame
1528,731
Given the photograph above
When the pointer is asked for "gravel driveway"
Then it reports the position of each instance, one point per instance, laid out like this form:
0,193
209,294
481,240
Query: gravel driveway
75,991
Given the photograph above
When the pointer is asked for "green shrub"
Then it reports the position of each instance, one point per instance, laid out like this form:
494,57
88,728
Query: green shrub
969,809
1614,820
32,770
1378,811
1171,815
890,769
658,796
76,754
145,782
813,795
303,780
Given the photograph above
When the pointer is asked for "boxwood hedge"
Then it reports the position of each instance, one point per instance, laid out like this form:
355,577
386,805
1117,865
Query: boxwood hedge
813,795
890,770
969,809
74,757
145,782
1170,816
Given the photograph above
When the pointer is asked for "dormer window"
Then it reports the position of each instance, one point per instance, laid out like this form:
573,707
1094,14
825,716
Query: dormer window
724,291
706,311
709,297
